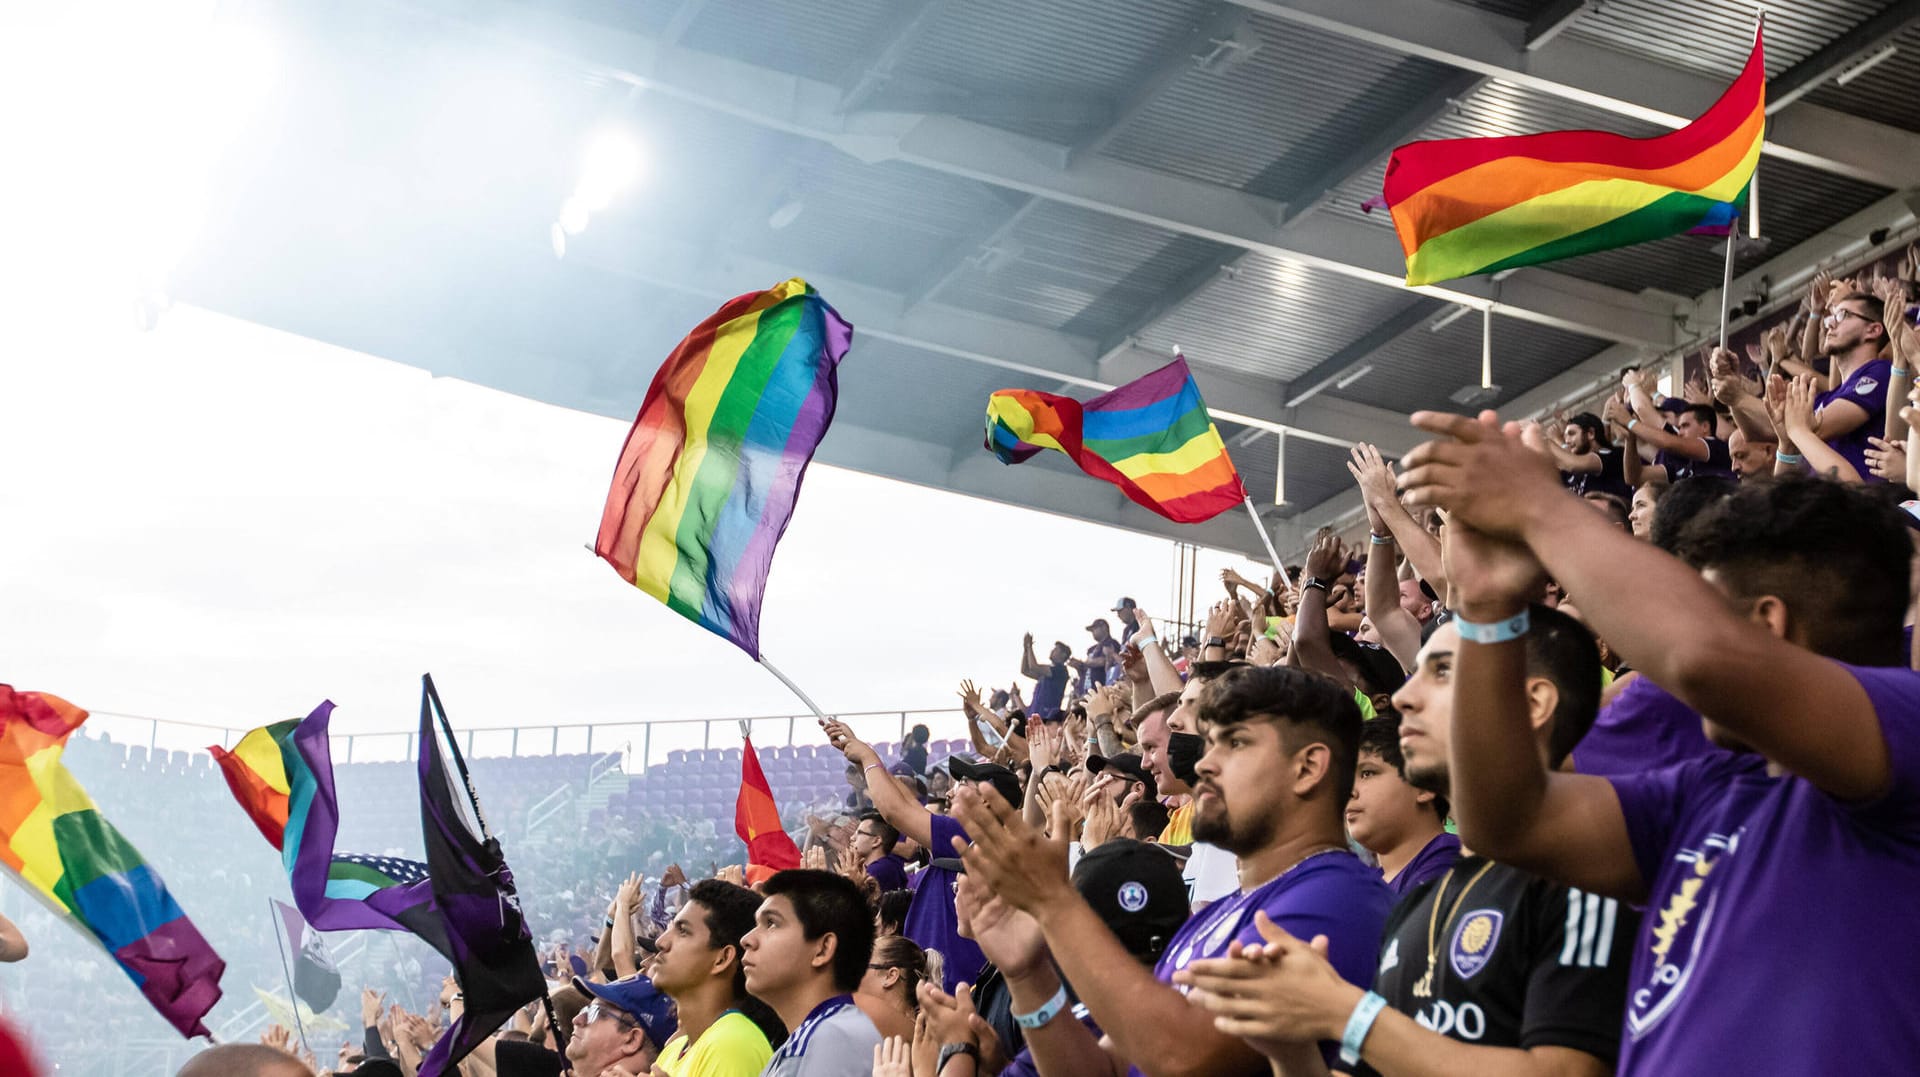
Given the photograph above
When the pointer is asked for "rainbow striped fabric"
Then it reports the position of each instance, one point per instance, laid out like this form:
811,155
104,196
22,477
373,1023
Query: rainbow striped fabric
708,478
55,841
1152,437
1481,205
282,775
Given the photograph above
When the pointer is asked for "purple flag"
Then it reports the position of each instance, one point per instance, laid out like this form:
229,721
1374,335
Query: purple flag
487,938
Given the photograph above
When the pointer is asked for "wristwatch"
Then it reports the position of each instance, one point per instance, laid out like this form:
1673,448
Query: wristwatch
1216,641
950,1051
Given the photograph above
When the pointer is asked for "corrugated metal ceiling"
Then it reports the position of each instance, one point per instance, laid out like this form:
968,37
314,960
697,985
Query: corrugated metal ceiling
1714,36
1290,109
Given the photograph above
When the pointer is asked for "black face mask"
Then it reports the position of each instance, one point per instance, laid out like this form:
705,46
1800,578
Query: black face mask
1183,755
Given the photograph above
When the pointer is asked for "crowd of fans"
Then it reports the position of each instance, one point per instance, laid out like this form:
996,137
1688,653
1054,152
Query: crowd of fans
1599,752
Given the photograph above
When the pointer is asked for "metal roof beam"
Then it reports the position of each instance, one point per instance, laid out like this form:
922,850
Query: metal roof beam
910,20
1350,358
1617,81
1173,62
1549,24
1842,52
812,109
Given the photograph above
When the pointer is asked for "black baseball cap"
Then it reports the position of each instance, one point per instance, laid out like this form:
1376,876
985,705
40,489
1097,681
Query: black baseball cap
1004,781
1138,891
1127,765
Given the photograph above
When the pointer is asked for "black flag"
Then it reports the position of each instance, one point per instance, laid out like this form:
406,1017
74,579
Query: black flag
491,950
315,979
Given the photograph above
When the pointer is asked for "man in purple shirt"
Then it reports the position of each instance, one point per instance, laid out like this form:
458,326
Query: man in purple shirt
1262,724
931,920
1855,408
1777,938
873,842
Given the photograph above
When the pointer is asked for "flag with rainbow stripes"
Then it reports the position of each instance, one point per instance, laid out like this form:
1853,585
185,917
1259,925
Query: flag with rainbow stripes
53,839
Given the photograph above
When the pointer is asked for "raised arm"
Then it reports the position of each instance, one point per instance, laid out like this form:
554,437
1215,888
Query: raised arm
1030,665
1399,630
901,809
1804,712
1160,672
1568,827
1802,423
1312,638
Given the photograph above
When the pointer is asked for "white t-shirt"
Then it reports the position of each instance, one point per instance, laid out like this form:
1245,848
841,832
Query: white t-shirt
1211,873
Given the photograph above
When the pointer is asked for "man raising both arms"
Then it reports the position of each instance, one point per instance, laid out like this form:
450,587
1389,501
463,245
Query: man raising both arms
1779,864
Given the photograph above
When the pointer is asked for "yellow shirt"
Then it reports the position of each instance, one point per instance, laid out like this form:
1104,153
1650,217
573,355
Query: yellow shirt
731,1047
1179,829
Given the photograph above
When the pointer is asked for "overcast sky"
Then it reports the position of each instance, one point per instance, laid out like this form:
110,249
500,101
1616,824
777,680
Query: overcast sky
218,522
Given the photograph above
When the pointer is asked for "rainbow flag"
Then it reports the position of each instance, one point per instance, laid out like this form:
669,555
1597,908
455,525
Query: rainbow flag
1481,205
55,841
756,818
282,775
707,480
1152,437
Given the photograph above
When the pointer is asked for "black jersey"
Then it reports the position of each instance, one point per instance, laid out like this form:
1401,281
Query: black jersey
1517,961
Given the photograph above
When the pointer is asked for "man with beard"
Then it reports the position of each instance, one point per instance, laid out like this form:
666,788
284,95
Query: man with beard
1486,969
1271,790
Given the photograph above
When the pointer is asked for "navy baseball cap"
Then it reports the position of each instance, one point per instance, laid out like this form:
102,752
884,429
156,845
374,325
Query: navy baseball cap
1675,405
636,997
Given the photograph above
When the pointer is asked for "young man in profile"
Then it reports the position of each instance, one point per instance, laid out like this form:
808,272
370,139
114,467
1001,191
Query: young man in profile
1778,863
809,947
1403,827
873,842
698,966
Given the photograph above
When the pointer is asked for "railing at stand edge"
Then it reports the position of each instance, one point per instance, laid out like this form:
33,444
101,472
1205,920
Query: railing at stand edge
166,734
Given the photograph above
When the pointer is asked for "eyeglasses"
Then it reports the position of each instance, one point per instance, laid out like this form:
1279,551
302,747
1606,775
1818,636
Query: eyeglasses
597,1009
1839,314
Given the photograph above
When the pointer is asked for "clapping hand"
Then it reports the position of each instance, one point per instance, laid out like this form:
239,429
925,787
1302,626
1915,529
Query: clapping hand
1887,459
278,1038
893,1057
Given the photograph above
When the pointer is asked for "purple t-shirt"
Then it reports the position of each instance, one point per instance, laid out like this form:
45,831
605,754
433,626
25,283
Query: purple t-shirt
1644,728
931,920
1719,462
1333,893
1866,388
890,871
1779,934
1431,862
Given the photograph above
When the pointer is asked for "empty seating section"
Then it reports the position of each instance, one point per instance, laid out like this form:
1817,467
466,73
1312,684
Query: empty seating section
703,782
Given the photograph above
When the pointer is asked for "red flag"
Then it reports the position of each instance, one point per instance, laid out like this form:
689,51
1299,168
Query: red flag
756,818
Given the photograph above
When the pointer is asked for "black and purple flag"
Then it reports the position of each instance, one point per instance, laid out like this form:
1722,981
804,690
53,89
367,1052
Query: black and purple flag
316,981
486,935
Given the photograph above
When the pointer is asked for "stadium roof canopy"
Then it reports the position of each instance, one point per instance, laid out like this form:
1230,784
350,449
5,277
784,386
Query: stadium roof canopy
1038,193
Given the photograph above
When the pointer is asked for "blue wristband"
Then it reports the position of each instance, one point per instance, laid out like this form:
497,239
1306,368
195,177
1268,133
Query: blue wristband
1631,423
1380,540
1498,632
1358,1025
1047,1012
1788,457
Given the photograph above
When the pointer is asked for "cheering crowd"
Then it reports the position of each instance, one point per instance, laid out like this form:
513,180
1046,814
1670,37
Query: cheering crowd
1600,752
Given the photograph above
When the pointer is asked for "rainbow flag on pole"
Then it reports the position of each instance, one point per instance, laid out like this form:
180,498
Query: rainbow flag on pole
708,478
1481,205
54,840
282,775
1152,437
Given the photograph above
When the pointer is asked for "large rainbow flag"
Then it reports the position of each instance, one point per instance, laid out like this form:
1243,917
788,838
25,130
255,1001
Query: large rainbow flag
282,775
1152,437
707,480
1481,205
55,841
